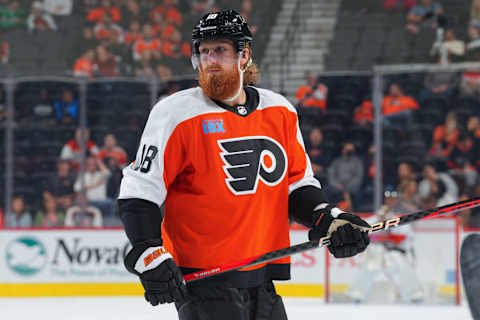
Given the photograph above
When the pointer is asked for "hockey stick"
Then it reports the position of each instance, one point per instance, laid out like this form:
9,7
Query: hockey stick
325,241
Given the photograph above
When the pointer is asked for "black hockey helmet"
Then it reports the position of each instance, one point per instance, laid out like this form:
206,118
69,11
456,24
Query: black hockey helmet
226,24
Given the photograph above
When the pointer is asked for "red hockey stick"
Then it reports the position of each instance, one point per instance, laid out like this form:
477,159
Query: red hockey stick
384,225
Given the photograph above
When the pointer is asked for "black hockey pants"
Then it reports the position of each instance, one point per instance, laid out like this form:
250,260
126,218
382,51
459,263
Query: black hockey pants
221,303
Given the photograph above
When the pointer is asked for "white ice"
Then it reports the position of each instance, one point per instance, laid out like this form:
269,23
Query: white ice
136,308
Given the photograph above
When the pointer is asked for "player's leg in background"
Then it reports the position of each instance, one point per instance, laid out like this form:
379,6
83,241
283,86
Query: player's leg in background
401,273
470,266
370,267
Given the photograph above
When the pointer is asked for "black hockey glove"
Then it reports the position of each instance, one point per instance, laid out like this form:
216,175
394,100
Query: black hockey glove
348,232
160,276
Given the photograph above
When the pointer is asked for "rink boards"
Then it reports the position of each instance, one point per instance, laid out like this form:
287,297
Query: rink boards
90,263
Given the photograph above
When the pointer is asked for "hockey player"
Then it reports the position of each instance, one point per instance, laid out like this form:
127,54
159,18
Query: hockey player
390,254
228,162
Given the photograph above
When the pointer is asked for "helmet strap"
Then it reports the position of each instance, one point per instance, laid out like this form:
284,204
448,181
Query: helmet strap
240,86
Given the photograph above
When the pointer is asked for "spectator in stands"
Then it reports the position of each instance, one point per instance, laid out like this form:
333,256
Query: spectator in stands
438,185
405,172
473,46
111,152
39,20
161,29
133,33
424,14
445,137
462,162
319,158
85,66
473,127
170,13
115,159
145,67
455,48
345,174
106,8
106,31
20,217
174,47
66,108
439,84
58,7
49,216
147,43
60,185
163,73
398,5
246,12
312,94
408,195
86,41
2,218
83,215
106,63
176,53
363,114
475,12
4,50
43,111
131,12
397,107
72,149
12,16
93,182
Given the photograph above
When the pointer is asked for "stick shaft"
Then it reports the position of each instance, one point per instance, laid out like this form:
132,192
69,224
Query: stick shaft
325,241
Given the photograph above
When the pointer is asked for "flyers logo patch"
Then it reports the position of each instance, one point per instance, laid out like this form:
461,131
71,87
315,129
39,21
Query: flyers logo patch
250,159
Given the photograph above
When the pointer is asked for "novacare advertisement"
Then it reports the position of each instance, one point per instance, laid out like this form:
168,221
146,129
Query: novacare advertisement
63,256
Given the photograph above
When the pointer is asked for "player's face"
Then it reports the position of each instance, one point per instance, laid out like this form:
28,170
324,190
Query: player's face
218,73
217,54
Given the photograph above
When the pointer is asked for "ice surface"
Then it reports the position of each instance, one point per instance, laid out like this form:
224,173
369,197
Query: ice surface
136,308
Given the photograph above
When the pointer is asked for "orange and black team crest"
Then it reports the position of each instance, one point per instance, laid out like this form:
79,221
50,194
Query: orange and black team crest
250,159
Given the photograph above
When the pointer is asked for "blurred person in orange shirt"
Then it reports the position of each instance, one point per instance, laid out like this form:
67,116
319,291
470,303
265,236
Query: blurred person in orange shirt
170,12
111,150
106,29
85,65
174,47
147,43
312,94
445,136
363,114
161,28
106,7
106,63
133,34
397,107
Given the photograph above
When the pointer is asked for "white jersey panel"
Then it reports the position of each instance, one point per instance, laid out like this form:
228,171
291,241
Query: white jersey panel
143,179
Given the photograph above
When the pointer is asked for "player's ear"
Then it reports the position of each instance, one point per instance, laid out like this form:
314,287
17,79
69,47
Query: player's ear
245,58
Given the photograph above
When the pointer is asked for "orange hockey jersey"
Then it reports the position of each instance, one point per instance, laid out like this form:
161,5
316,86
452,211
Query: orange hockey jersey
224,176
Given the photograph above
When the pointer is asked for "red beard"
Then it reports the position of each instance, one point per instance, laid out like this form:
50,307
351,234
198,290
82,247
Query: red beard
221,85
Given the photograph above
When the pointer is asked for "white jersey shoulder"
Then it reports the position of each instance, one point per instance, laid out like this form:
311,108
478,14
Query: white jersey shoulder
269,98
184,105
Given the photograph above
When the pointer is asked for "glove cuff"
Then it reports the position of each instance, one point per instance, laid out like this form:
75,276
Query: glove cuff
145,256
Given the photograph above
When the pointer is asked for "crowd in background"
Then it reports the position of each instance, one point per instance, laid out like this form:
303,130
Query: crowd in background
72,197
149,38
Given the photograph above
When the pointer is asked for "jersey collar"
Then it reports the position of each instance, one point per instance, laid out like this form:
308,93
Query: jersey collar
243,110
